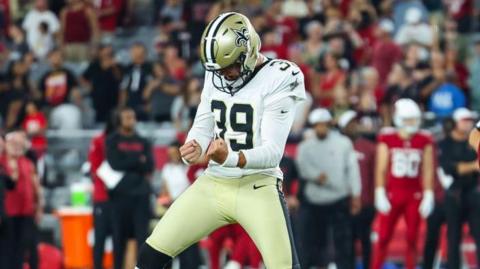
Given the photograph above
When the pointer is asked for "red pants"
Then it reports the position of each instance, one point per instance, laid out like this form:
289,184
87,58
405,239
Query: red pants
244,250
404,203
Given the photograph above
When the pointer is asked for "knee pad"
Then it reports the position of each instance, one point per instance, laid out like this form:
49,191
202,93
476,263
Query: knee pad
149,258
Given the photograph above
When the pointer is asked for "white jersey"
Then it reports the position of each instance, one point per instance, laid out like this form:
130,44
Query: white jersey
256,120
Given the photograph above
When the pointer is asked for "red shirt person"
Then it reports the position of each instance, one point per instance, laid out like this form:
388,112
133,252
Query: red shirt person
404,169
385,52
23,203
96,155
35,124
108,13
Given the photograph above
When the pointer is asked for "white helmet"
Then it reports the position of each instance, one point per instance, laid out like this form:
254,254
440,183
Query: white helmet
407,109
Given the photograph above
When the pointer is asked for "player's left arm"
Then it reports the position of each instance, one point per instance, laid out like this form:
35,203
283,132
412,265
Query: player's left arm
277,120
428,200
276,124
428,168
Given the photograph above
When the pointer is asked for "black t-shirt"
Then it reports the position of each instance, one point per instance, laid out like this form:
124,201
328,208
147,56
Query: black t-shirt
451,153
134,81
56,86
133,156
105,87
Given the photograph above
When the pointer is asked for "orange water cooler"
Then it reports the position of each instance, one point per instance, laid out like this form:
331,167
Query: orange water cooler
78,238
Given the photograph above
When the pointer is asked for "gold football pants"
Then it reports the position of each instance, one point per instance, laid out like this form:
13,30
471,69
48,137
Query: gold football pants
256,202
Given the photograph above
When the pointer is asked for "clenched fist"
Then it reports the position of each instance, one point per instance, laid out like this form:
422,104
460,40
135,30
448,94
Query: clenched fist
218,151
191,151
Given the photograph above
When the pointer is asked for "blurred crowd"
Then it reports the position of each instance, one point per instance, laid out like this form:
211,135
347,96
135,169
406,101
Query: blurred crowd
69,65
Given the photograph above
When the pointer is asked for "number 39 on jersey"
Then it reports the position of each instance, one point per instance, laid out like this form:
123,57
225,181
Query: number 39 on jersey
235,123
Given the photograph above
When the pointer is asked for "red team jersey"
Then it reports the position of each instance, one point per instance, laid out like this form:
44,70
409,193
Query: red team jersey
405,159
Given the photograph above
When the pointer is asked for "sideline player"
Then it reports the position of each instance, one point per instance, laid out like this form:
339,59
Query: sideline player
242,124
404,167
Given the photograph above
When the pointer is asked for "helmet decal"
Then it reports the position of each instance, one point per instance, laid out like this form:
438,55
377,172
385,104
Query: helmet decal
242,37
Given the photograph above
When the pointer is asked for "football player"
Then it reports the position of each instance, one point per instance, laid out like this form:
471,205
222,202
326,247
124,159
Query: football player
242,124
403,179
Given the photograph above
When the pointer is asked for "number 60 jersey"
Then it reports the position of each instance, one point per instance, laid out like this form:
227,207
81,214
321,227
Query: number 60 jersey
255,120
405,158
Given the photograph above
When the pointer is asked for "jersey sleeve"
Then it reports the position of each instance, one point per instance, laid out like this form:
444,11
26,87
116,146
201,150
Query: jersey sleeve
288,82
204,123
275,127
427,138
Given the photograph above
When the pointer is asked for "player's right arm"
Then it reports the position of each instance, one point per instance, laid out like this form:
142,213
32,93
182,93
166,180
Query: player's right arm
381,164
202,130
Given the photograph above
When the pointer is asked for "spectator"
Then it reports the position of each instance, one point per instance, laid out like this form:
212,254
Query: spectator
35,125
272,46
161,92
57,84
130,154
174,173
313,46
446,98
79,30
365,152
136,76
455,66
414,31
102,208
474,78
459,161
102,77
461,12
400,85
385,52
286,26
17,91
370,91
108,14
44,43
6,183
331,78
17,43
24,203
33,19
184,107
434,79
176,66
173,9
332,191
362,15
